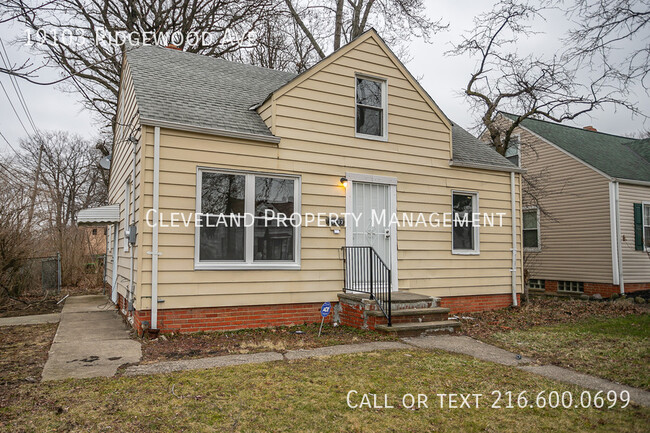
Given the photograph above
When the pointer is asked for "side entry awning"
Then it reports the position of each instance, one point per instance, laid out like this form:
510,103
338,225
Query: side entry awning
99,215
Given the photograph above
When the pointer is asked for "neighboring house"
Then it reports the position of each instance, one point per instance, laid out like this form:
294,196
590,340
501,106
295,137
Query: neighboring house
586,224
202,135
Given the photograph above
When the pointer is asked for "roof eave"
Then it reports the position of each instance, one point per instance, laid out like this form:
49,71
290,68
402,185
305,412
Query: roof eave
210,131
480,166
631,181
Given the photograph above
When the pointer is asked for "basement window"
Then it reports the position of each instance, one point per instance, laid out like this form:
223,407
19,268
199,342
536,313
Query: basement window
371,108
570,286
535,284
236,230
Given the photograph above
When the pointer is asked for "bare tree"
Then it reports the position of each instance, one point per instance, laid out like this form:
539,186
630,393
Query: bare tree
279,44
527,85
606,27
83,38
330,24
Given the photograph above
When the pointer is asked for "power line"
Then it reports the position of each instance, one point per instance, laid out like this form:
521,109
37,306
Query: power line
13,108
9,144
16,86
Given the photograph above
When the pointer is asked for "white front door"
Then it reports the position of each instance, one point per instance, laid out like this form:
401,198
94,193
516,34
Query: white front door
373,205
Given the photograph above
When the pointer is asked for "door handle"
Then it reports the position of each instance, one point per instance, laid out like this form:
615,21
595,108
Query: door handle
387,233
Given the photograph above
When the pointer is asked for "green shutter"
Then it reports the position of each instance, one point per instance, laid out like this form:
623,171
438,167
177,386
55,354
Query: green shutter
638,227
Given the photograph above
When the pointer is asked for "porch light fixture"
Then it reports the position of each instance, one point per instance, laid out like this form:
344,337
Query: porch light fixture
344,182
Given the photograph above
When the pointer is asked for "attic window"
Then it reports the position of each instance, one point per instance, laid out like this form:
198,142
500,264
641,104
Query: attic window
371,108
513,152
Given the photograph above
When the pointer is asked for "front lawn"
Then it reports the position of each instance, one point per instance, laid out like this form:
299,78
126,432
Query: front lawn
305,396
613,348
278,339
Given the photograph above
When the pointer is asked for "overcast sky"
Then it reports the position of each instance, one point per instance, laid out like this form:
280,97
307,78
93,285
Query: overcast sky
442,76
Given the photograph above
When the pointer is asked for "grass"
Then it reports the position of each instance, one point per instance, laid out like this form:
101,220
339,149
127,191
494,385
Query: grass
278,339
307,395
616,348
23,352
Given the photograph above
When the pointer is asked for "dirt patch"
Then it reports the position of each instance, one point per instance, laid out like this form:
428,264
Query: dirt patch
542,312
645,294
24,352
278,339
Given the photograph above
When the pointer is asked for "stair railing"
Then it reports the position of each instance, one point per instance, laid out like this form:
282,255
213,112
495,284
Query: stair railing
366,272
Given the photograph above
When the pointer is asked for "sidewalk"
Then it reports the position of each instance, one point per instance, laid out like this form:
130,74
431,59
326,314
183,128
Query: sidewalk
92,340
449,343
36,319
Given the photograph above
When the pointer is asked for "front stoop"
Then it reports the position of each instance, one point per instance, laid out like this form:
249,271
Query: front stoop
412,314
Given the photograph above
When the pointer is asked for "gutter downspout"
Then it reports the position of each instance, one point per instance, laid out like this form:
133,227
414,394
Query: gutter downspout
513,211
619,246
132,213
154,236
116,246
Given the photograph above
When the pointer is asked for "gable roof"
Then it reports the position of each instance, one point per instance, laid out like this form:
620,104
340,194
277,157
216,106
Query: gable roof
468,151
616,156
205,92
175,88
363,37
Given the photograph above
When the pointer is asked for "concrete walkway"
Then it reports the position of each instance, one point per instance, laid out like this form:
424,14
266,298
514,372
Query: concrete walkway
36,319
92,340
449,343
256,358
487,352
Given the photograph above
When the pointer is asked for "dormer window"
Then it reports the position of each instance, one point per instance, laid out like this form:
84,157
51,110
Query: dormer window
513,152
371,109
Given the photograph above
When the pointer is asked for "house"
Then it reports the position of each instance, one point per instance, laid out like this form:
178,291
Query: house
354,136
586,222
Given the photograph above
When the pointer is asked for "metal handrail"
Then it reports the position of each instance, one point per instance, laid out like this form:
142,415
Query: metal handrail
365,272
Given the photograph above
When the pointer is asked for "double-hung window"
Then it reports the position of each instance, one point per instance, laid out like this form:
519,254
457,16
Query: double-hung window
531,229
465,236
247,220
371,108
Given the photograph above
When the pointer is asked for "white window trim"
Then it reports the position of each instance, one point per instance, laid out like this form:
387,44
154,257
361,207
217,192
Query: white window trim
643,225
539,230
384,97
249,233
475,209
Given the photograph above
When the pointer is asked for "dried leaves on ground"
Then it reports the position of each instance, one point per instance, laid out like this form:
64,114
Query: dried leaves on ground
541,312
279,339
606,339
37,302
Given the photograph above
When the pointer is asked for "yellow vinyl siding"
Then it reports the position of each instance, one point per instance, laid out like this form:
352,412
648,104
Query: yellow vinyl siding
636,264
121,168
575,225
315,120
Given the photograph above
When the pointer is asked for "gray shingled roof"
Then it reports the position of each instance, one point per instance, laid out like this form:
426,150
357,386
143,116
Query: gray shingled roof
467,149
180,87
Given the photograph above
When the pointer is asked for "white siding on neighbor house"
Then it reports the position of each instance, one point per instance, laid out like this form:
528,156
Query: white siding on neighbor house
316,122
575,219
636,264
120,173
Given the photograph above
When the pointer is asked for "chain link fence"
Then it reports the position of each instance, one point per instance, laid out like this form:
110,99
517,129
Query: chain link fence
43,274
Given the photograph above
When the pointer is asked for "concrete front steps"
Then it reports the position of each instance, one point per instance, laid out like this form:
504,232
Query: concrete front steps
412,314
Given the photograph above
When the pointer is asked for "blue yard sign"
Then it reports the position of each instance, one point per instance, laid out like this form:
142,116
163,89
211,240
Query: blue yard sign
324,312
325,309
